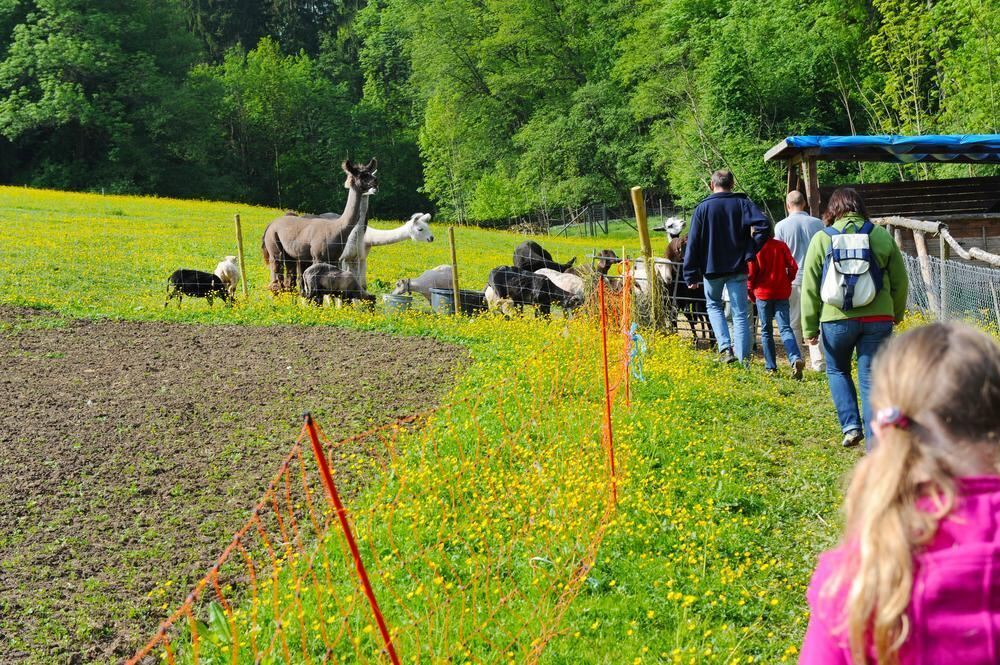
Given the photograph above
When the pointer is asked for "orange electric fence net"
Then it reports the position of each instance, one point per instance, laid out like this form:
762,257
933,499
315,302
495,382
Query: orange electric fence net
459,535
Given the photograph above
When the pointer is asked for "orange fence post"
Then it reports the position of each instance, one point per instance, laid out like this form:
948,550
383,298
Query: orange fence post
359,565
607,393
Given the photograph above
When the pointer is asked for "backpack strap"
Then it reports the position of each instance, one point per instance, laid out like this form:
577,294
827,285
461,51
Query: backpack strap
830,231
867,227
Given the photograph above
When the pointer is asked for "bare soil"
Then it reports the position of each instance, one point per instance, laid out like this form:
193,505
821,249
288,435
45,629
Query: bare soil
130,452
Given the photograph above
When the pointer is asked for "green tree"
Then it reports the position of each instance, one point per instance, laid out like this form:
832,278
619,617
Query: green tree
719,82
287,127
81,86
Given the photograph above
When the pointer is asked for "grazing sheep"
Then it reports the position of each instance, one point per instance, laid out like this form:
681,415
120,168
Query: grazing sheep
565,281
495,302
528,288
196,284
435,278
228,271
530,256
324,279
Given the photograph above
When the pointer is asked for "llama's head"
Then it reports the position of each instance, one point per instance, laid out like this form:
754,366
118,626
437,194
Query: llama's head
361,176
675,249
229,259
419,229
673,226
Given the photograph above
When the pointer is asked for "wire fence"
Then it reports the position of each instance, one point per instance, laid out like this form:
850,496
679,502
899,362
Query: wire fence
474,527
949,290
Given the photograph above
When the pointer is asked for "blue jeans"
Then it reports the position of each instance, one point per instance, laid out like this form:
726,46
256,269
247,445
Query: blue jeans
739,302
840,340
768,311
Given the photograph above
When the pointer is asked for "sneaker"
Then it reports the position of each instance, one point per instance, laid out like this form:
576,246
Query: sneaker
771,370
726,356
797,368
852,438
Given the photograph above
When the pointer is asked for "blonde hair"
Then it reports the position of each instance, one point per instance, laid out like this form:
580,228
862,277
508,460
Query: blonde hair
945,378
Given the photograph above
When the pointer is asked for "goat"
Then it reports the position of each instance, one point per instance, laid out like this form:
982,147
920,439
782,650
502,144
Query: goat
530,256
528,288
606,259
438,277
324,279
196,284
228,270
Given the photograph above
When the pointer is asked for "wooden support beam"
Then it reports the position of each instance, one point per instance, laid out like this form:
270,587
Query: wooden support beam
920,240
944,279
913,224
775,151
985,257
811,178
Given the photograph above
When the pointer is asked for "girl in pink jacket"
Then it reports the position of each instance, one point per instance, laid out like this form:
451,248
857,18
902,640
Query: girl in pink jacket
917,576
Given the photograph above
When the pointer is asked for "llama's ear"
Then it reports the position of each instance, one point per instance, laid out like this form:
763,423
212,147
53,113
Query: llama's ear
372,165
425,218
349,168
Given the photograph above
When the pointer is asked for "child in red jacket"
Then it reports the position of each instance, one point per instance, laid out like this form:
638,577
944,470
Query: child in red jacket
771,275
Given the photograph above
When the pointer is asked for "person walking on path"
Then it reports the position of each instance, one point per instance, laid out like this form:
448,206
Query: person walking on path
771,274
915,577
726,231
865,266
796,231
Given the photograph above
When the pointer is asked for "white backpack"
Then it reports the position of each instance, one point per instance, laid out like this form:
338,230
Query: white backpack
851,275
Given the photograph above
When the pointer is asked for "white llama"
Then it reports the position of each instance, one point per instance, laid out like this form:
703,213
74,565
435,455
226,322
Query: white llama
416,229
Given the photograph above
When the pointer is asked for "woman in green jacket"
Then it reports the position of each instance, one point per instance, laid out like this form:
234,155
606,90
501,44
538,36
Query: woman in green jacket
860,330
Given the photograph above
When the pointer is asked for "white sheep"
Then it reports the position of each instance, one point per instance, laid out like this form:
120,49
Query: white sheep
228,271
564,280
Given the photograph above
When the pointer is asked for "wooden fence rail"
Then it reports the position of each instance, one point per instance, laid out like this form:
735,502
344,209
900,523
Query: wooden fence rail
937,298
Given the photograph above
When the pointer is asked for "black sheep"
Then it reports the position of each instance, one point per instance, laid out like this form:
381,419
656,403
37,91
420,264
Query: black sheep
529,288
196,284
324,279
531,256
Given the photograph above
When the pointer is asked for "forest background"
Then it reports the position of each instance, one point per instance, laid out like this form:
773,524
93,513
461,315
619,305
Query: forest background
481,109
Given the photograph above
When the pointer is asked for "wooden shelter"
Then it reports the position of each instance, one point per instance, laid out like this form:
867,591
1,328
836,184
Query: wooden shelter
969,206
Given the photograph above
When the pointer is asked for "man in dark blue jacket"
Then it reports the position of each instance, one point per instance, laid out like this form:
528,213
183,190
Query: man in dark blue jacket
726,231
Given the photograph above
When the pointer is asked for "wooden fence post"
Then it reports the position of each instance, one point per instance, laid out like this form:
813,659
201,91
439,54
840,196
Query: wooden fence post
897,234
920,240
639,203
454,271
239,254
944,278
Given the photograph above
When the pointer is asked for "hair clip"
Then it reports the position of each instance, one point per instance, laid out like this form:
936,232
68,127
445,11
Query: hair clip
892,417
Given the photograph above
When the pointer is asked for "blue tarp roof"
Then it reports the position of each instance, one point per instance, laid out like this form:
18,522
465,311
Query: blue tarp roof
904,149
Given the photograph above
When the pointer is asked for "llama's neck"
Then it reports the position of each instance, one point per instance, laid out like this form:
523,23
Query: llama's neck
355,214
377,237
355,208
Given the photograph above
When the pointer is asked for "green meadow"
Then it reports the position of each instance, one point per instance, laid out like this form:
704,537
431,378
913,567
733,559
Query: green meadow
729,479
